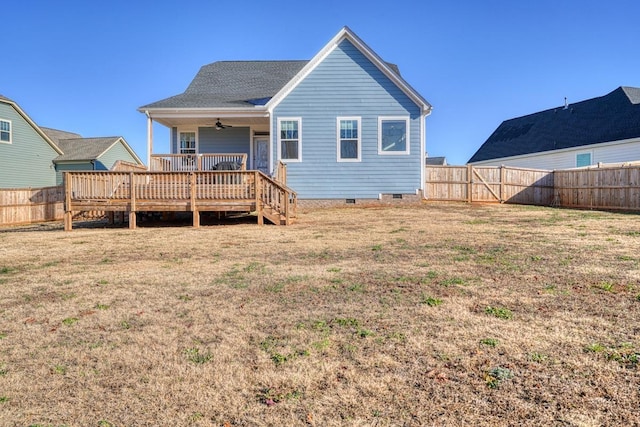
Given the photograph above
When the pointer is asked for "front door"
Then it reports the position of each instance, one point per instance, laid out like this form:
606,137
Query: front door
261,154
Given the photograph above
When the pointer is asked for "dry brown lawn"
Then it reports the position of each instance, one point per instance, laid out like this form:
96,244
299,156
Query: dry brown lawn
438,314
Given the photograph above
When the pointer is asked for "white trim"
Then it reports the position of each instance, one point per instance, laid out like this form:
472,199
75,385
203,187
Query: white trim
359,139
299,120
187,130
561,150
10,141
423,150
346,34
405,152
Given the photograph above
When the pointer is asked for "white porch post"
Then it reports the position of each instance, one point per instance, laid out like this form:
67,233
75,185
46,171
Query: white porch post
149,139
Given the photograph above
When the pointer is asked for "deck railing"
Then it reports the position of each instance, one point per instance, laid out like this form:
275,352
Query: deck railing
187,191
278,197
196,162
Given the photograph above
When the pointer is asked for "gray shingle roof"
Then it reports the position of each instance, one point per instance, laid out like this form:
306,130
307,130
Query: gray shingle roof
612,117
227,84
233,84
56,135
435,161
84,148
77,148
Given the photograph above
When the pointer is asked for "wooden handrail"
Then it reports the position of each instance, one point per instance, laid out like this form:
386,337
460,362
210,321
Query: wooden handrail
195,162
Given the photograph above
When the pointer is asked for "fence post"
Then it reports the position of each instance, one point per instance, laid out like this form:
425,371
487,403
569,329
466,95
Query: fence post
502,178
469,183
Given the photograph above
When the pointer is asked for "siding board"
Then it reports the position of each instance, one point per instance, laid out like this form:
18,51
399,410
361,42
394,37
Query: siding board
346,83
28,160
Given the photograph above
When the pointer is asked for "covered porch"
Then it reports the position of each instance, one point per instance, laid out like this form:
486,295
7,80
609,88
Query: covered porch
210,140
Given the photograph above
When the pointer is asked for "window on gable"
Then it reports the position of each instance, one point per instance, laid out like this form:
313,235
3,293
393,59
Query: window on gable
393,135
583,159
187,143
289,139
5,131
349,139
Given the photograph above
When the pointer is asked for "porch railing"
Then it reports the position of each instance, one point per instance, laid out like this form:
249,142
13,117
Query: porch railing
197,162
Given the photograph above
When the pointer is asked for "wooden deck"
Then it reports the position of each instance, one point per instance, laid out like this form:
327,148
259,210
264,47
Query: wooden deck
196,191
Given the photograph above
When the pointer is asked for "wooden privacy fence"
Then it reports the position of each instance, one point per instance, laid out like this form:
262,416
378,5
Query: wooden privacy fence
488,184
603,187
29,205
599,188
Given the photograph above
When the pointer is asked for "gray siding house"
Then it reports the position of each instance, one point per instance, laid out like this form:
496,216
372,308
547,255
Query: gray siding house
26,153
605,129
34,156
346,123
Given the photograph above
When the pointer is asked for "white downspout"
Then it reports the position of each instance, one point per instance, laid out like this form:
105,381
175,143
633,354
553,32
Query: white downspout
149,139
423,149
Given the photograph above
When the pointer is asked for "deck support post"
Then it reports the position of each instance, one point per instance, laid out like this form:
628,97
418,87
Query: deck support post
132,220
192,196
68,213
132,209
111,217
259,207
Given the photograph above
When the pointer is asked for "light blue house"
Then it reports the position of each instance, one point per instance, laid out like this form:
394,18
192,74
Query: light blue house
345,123
35,157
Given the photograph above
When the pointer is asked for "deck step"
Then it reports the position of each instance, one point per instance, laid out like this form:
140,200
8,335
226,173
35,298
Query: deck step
273,216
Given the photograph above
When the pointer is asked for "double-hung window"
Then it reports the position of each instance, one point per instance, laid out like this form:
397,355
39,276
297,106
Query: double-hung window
289,138
5,131
349,139
393,135
187,143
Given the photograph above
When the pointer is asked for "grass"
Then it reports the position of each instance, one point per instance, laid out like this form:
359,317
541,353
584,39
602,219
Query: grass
438,314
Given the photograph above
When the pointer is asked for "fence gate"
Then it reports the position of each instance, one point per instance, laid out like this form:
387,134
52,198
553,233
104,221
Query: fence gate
484,185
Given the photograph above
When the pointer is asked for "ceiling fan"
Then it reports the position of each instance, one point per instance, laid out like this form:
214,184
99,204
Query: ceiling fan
220,126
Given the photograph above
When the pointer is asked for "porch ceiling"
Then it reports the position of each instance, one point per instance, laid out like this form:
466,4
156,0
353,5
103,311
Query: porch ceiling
209,120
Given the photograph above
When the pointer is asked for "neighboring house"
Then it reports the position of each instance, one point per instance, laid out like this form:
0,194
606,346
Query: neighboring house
26,152
81,154
599,130
435,161
34,156
345,123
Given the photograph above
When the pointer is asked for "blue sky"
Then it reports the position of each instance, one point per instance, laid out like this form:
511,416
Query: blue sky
86,66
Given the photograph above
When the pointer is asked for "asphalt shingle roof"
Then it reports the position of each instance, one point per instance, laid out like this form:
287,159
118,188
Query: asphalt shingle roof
75,147
233,84
226,84
56,135
612,117
84,148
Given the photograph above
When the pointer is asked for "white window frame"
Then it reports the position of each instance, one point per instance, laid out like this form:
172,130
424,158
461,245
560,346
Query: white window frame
590,153
408,139
279,133
358,140
10,132
179,147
